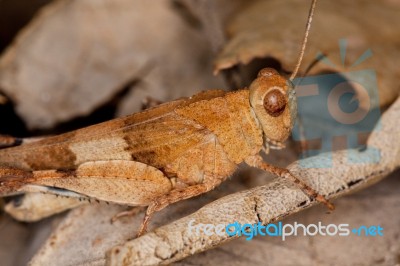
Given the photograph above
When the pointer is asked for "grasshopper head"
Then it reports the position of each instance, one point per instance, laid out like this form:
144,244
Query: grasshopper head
273,100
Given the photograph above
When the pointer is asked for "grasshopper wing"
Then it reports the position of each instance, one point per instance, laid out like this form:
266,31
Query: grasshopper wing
154,136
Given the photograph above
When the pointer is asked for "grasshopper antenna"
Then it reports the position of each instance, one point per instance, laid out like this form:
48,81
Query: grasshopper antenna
303,46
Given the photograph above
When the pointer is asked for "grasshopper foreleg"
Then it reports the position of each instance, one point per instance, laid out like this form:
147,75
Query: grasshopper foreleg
258,162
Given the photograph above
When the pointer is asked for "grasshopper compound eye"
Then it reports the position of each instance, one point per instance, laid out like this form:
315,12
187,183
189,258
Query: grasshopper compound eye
274,102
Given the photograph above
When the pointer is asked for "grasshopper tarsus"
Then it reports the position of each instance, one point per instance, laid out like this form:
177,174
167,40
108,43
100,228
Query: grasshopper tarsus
143,227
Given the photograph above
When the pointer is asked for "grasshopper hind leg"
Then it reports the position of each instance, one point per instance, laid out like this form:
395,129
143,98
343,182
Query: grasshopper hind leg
175,196
130,212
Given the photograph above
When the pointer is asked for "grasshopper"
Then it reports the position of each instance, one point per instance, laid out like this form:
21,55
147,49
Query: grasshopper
165,154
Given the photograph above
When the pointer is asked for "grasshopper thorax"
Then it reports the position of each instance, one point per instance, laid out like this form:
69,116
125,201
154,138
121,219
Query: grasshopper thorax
273,100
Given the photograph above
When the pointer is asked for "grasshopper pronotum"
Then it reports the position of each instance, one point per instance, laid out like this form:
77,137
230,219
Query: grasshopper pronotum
165,154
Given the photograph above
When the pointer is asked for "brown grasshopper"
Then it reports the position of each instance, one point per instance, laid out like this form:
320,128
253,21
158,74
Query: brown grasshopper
165,154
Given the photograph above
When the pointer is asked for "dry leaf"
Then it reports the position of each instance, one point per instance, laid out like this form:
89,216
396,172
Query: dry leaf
75,55
275,29
13,238
31,208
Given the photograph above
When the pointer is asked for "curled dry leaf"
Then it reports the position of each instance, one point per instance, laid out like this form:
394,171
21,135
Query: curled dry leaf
76,55
269,203
211,15
275,29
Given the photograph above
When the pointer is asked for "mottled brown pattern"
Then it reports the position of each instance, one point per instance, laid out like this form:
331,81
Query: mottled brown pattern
49,153
206,160
55,152
230,119
11,180
117,181
161,140
111,147
51,157
67,173
166,108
